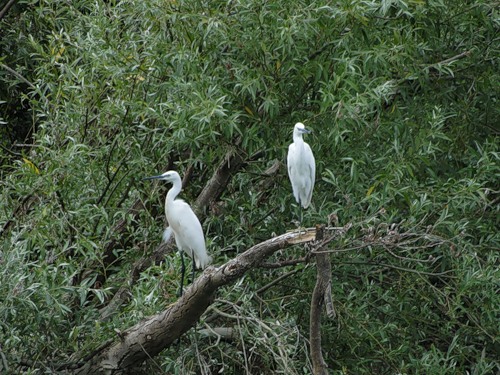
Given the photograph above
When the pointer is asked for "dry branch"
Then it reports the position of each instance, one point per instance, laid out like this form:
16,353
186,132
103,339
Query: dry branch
323,286
222,333
150,336
268,179
232,162
277,281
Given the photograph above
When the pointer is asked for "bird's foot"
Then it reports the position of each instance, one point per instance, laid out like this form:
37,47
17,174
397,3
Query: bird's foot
180,292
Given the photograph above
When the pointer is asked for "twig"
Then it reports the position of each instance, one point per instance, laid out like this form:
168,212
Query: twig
265,327
14,73
315,54
6,8
445,273
431,259
226,333
11,152
266,215
276,281
285,263
21,209
25,145
454,58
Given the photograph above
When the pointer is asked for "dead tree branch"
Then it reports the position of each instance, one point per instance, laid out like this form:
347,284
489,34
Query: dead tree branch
320,295
150,336
232,162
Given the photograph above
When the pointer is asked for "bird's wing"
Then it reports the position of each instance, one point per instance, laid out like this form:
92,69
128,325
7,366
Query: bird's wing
311,163
191,234
289,159
167,233
189,227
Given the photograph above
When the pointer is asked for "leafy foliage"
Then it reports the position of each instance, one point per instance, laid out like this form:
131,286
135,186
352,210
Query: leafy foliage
403,100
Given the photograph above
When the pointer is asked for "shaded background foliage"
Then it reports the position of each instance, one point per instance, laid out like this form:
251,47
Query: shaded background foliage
403,100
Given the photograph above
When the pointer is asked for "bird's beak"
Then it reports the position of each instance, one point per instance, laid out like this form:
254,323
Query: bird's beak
307,131
153,178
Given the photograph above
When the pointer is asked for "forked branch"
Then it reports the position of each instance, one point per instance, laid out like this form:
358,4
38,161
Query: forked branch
150,336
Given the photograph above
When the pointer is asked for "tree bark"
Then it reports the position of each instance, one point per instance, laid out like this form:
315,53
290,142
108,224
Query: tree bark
152,335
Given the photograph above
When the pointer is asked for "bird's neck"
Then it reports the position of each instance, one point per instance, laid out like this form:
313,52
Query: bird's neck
174,191
297,139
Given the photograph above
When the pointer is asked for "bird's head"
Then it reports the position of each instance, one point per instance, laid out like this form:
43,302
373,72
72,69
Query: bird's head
169,176
300,129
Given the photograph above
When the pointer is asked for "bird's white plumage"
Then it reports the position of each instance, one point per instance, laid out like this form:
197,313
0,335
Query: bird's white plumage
301,167
183,223
187,231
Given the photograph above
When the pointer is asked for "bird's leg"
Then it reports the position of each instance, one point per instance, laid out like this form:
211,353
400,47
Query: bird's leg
183,272
192,279
179,294
301,217
296,215
301,214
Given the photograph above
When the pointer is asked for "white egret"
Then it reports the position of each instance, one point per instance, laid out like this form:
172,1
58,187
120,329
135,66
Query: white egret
301,167
184,225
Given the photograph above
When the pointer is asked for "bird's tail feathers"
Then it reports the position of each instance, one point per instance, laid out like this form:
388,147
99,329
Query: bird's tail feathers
167,233
203,262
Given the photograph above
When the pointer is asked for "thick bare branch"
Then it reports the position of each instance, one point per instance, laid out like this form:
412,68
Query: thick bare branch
232,162
286,262
147,338
323,285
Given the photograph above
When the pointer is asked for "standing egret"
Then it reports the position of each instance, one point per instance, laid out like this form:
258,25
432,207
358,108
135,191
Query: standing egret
184,225
301,167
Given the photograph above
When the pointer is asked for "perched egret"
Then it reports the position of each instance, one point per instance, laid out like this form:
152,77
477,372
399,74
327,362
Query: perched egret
184,225
301,167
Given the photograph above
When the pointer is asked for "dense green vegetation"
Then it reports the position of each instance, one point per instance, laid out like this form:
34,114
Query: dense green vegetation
403,98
